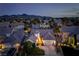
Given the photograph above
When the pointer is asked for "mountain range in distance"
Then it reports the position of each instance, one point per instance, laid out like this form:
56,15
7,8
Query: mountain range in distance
25,16
28,17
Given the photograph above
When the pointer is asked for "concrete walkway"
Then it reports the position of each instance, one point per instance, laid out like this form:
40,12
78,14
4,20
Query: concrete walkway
50,51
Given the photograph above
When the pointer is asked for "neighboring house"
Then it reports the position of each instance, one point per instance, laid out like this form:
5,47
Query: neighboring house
4,28
58,22
44,25
71,29
13,34
37,26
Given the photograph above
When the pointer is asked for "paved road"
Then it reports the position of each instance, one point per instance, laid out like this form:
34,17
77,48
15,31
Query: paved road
50,51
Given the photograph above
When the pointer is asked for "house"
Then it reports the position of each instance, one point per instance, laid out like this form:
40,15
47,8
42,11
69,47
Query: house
12,34
41,39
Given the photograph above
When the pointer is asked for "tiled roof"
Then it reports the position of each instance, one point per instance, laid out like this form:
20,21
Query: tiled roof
17,35
46,33
71,29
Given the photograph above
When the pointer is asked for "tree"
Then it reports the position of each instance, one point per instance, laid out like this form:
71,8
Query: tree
29,49
37,52
56,29
65,21
35,21
51,22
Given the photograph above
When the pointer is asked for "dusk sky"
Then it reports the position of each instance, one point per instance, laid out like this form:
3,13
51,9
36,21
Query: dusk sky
53,10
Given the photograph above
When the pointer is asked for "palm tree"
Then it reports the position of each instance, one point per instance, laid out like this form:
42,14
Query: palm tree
65,20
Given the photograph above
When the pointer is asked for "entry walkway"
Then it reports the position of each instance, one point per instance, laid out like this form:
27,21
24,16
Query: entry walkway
50,51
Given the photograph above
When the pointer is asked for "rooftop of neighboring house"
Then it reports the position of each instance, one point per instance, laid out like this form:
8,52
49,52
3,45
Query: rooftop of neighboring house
70,29
16,35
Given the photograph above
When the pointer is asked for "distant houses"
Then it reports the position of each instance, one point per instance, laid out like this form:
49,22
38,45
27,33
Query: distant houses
41,26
